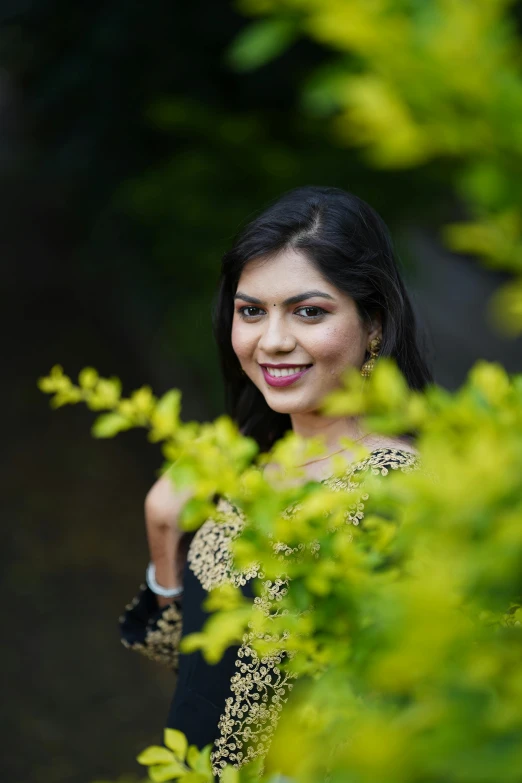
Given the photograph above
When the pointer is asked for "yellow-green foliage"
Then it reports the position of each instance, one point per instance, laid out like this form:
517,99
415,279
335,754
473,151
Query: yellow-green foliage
405,631
176,759
416,81
209,457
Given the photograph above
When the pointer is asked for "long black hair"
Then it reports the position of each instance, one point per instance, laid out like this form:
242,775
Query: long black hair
350,245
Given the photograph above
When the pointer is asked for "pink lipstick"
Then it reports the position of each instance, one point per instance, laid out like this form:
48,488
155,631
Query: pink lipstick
284,380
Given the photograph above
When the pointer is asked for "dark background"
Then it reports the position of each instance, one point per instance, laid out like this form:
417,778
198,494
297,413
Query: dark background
130,154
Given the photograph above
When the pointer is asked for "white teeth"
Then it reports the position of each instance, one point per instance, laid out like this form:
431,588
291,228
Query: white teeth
276,373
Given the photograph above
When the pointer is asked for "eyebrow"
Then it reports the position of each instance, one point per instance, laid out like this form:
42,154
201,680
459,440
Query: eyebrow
291,299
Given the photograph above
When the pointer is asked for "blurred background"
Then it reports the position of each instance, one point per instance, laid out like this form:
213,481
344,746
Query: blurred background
135,140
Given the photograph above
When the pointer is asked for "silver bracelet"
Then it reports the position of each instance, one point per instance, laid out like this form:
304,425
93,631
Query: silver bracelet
150,578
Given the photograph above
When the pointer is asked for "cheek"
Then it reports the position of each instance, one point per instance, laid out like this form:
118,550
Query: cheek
241,340
338,347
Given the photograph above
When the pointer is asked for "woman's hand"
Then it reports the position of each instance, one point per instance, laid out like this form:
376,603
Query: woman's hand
163,506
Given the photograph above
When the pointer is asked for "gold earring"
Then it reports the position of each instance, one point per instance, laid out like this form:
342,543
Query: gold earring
373,349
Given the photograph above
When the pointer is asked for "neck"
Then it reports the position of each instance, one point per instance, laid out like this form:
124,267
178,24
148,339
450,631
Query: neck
330,430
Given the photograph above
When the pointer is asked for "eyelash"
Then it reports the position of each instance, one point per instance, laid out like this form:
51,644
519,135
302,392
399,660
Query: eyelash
321,312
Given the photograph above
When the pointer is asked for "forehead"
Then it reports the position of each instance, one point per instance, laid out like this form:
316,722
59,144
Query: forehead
284,272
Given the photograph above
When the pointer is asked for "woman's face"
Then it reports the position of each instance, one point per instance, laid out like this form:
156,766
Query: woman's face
288,316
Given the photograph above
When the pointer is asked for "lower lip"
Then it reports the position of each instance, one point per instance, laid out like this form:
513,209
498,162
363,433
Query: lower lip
284,380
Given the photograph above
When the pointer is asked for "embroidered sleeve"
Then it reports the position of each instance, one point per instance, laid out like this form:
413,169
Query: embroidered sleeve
152,630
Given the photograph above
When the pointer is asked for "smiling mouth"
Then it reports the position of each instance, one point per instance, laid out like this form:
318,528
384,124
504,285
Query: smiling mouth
282,372
283,376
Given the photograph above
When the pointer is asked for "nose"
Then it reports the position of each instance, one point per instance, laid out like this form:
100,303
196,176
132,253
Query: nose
276,336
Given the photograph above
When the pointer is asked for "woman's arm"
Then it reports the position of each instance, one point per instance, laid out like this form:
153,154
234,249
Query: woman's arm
163,506
151,624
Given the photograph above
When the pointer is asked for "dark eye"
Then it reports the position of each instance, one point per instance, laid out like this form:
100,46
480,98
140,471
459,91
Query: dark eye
243,311
312,312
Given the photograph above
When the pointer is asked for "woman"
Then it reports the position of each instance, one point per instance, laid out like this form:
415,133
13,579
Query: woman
310,288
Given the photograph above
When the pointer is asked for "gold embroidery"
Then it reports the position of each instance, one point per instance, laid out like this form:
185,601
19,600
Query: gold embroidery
161,642
378,462
209,555
261,687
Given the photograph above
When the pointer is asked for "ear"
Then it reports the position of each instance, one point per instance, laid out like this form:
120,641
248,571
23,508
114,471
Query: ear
375,329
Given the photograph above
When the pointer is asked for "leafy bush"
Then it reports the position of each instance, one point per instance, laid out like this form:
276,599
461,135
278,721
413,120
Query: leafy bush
404,633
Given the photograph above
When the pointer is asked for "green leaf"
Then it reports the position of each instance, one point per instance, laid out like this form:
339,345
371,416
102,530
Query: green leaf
506,307
260,42
165,417
88,378
253,772
156,754
177,742
170,403
191,642
194,513
192,756
203,765
323,92
164,772
230,775
109,424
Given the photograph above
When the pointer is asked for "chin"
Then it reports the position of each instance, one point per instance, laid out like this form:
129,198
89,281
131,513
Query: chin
288,407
